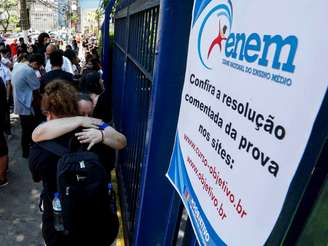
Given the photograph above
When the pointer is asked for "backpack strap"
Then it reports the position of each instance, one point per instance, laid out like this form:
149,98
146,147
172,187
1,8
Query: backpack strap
54,147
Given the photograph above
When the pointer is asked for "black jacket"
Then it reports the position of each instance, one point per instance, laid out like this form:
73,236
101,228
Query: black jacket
4,109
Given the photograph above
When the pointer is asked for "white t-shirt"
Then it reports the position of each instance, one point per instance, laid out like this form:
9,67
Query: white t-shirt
37,74
67,66
5,61
5,73
75,70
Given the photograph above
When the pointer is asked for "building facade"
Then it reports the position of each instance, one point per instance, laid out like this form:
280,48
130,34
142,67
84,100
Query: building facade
44,15
88,21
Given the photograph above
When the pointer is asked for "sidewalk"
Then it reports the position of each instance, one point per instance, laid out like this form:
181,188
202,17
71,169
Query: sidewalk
20,219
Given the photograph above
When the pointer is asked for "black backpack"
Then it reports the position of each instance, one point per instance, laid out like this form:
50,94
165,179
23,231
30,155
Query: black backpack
87,208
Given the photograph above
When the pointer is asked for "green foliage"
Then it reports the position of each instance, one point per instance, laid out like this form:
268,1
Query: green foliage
74,18
7,4
6,14
14,20
104,3
99,14
100,44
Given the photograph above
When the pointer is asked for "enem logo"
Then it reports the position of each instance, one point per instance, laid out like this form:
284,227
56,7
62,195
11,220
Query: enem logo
265,50
223,12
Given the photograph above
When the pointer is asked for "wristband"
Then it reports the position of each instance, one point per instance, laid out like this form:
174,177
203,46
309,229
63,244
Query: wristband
102,136
103,126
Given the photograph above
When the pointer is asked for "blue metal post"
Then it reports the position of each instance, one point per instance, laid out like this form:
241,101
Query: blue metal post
157,214
189,238
106,44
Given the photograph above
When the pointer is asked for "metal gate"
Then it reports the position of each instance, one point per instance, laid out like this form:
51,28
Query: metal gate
151,209
134,53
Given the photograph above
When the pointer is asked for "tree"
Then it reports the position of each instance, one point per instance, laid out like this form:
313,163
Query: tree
25,24
74,20
96,17
99,14
6,15
104,3
100,11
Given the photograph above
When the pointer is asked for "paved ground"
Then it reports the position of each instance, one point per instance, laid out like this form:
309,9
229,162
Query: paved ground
20,219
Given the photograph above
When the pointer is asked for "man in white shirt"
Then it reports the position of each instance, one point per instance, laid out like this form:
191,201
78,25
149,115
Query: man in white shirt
67,65
4,58
5,73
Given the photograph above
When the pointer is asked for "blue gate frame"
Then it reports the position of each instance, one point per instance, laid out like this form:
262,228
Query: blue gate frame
148,73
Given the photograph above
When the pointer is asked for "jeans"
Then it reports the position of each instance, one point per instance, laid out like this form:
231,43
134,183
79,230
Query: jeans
28,123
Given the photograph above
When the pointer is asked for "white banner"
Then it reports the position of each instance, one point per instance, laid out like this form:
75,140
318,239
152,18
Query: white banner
254,83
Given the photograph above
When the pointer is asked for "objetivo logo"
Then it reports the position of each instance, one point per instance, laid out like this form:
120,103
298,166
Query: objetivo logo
215,38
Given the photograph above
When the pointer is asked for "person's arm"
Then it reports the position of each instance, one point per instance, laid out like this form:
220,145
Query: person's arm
33,81
109,136
7,80
114,138
9,89
58,127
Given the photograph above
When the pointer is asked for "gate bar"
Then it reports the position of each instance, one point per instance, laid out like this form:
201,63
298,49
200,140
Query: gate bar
157,214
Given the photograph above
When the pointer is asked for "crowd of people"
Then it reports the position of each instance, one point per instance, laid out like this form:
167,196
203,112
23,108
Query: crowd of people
59,97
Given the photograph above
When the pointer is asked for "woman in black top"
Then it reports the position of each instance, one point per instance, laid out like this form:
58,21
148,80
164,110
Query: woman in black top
43,41
59,101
